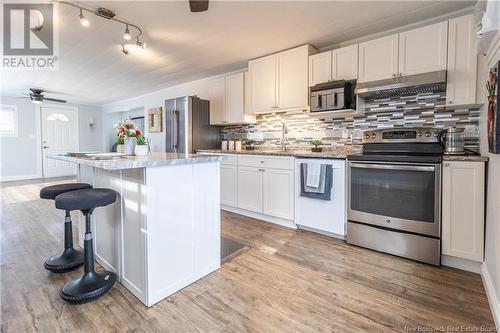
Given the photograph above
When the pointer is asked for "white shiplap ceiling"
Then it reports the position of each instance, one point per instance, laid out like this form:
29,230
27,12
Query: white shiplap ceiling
184,46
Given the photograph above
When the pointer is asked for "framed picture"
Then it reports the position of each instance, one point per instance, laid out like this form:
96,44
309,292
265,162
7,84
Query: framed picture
155,120
493,116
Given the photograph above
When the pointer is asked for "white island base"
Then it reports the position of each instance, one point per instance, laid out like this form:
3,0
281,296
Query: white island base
163,233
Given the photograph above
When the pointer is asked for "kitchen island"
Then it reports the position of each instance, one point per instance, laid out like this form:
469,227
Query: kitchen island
163,232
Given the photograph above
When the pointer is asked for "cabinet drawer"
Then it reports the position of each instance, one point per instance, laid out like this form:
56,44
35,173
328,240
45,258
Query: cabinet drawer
259,161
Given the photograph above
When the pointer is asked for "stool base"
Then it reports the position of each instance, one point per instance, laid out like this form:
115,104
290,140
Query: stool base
69,260
88,287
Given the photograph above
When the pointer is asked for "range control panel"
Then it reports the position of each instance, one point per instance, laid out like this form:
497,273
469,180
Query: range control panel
410,135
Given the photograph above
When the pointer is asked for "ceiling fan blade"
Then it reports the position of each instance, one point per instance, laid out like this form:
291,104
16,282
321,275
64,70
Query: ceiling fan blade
54,100
198,5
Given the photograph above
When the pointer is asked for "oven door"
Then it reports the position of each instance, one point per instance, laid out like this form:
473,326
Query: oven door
398,196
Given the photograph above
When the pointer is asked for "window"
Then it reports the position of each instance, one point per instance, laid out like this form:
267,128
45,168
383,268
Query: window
8,120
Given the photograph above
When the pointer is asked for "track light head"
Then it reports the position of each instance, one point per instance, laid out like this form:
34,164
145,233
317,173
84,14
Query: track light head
141,44
124,50
83,19
126,35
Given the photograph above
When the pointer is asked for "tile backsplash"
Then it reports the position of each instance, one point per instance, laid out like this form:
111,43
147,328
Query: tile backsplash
424,110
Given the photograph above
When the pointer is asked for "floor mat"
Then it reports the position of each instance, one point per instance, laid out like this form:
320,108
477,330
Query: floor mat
230,249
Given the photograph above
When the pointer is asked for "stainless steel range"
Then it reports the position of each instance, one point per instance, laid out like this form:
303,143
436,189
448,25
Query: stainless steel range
394,194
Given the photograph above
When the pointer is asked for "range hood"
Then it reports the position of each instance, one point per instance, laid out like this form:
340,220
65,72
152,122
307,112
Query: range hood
403,86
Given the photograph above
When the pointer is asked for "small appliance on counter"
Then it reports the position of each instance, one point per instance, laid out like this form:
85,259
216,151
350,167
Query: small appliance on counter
333,96
453,140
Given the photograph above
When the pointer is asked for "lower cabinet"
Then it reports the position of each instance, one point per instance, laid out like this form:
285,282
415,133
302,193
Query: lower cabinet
463,210
228,185
250,188
278,193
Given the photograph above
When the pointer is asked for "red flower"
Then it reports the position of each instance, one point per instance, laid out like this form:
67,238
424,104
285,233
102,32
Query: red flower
137,132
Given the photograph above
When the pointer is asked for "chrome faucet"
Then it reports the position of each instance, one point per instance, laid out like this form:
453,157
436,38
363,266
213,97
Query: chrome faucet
284,140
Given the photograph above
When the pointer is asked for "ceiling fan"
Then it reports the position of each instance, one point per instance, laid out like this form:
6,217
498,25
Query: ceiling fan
36,95
198,5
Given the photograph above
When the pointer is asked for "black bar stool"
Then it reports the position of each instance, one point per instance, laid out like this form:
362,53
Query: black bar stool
91,285
70,258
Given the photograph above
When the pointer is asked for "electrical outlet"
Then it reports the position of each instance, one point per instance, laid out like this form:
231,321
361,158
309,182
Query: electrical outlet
345,133
471,131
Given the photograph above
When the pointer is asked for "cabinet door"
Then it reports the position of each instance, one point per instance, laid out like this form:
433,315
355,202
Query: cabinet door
228,185
423,50
378,59
293,78
463,210
345,63
462,61
250,189
320,68
217,97
235,98
278,193
262,84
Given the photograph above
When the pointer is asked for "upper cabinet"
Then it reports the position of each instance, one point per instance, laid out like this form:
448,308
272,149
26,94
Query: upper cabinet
338,64
227,100
378,59
423,50
280,81
462,61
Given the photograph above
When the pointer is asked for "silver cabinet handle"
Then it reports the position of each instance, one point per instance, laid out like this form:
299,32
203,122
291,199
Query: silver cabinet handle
46,147
394,75
450,102
446,165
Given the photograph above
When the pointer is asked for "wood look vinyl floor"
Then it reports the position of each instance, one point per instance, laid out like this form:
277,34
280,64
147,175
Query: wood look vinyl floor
289,281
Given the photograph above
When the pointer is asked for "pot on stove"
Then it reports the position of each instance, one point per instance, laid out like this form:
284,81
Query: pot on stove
453,140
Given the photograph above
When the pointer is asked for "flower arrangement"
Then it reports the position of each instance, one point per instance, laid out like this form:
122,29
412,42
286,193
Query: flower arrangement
126,128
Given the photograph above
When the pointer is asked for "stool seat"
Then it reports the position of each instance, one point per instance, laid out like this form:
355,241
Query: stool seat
85,199
51,192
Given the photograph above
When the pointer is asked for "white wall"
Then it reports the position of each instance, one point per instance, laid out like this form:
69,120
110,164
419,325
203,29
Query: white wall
19,155
491,267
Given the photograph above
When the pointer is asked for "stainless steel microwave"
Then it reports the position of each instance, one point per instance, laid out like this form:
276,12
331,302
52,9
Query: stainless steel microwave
331,96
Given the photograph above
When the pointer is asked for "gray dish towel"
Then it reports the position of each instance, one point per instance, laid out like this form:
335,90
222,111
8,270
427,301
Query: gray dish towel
324,191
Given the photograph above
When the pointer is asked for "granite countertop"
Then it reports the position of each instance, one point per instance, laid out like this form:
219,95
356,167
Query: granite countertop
148,161
336,153
466,158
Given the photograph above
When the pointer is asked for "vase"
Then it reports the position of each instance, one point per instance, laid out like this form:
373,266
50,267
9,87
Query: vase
141,150
129,146
120,148
317,149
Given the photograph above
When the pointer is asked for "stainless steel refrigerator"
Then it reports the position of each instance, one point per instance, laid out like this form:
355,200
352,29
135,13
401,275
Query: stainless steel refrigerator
187,125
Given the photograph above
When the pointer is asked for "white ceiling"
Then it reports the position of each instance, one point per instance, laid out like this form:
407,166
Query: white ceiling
184,46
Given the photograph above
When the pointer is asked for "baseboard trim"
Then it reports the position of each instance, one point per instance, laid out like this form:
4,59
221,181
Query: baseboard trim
321,232
463,264
491,294
262,217
19,177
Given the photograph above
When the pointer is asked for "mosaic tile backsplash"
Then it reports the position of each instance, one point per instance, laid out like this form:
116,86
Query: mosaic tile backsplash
425,110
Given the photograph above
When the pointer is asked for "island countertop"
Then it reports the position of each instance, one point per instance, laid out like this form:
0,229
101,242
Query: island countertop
148,161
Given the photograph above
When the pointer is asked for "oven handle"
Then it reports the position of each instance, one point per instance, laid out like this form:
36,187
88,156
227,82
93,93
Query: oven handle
393,167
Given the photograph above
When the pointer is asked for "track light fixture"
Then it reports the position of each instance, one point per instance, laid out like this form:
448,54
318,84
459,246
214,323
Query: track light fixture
126,35
83,19
109,15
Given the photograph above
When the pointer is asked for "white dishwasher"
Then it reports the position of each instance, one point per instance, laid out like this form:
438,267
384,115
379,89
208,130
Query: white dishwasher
324,216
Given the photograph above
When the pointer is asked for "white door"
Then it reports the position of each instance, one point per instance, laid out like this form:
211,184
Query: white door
462,61
378,59
423,50
59,135
278,193
320,68
293,78
262,84
235,98
345,63
250,189
463,210
217,97
228,185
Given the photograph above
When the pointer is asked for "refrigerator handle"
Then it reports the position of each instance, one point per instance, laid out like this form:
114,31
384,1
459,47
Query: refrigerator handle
175,132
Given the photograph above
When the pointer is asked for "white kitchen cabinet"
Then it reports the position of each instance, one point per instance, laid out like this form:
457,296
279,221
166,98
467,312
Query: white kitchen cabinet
463,210
423,50
280,81
217,97
345,63
320,68
338,64
278,193
378,59
228,185
227,100
462,61
250,188
262,84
